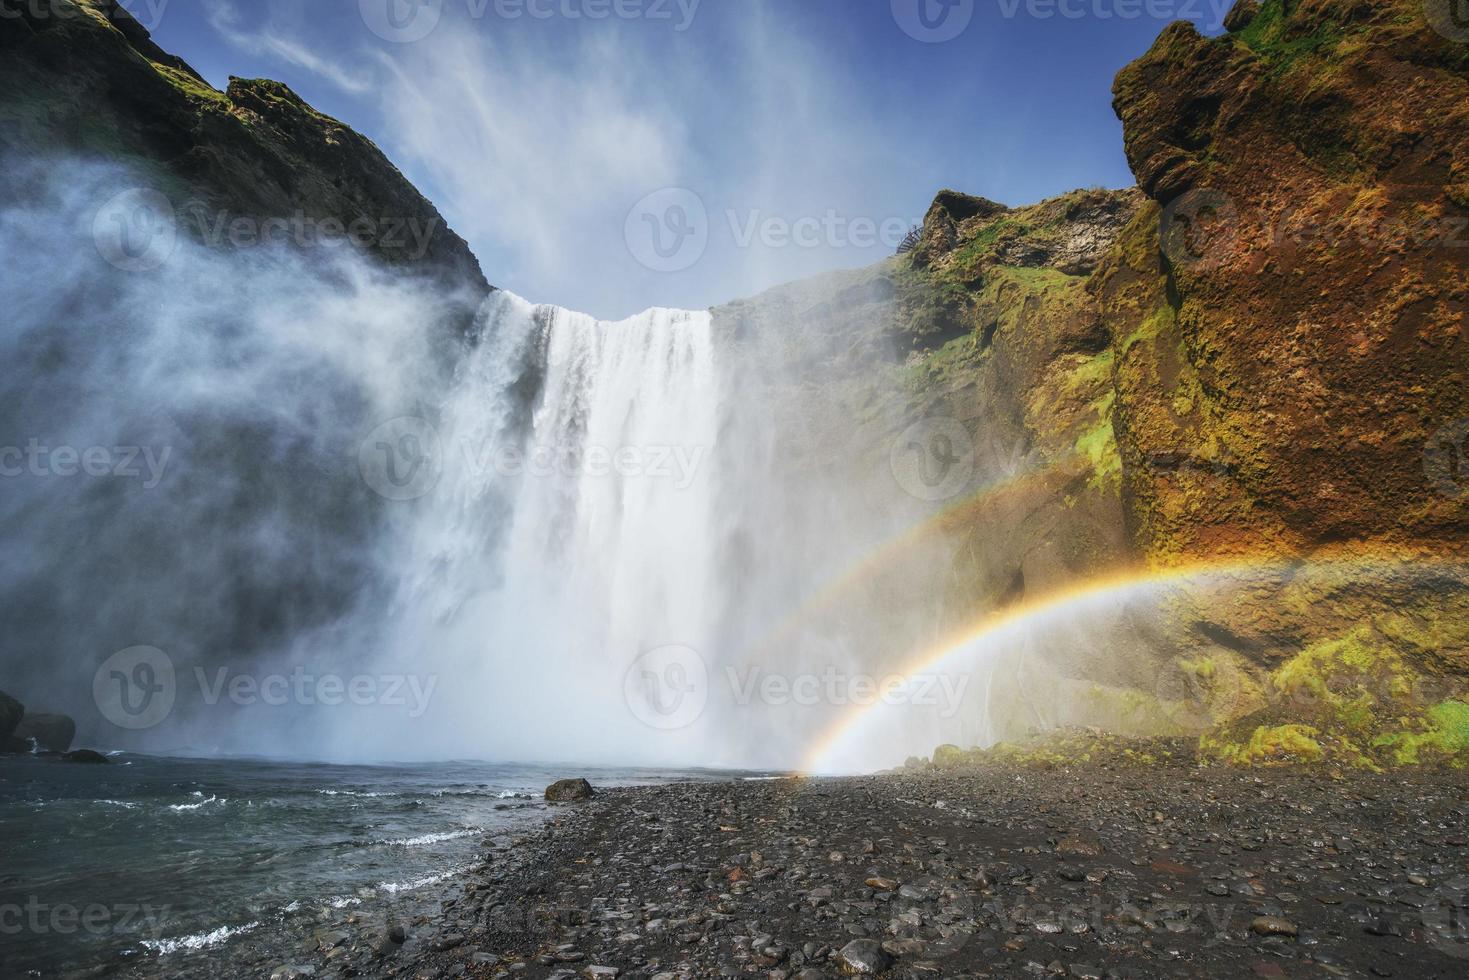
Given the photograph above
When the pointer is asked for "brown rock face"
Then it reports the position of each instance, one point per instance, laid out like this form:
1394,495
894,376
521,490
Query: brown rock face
1287,318
1289,314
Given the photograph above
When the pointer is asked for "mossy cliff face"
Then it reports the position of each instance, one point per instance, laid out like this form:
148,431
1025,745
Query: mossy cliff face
984,343
1287,317
81,78
1004,337
1254,362
1288,312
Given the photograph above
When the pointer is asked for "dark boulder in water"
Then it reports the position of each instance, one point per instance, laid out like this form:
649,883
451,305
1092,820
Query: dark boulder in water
14,746
569,790
11,712
86,757
53,733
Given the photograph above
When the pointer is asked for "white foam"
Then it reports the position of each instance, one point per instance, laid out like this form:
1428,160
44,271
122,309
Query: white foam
199,940
355,793
393,888
426,839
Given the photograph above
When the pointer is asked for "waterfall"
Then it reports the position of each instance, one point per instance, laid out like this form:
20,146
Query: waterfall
338,528
370,537
623,554
572,529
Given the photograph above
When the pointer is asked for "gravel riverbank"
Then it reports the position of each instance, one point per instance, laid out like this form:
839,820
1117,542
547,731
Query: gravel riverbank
1091,871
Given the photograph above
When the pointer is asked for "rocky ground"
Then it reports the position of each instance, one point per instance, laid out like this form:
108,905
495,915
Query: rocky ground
1110,869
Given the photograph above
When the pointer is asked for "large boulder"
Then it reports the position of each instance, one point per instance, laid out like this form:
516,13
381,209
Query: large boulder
14,746
568,791
11,712
53,733
86,757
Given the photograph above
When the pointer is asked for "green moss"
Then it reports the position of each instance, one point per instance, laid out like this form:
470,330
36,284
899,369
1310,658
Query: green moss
1204,668
983,245
1160,319
1098,445
943,366
1070,747
1444,737
1362,704
1127,711
191,86
1345,681
947,756
1270,36
1039,278
1268,746
1090,372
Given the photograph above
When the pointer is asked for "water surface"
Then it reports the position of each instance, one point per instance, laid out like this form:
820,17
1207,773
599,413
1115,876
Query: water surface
168,857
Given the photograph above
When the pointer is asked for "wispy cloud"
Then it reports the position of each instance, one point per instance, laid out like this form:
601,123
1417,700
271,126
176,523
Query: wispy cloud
541,155
267,41
538,142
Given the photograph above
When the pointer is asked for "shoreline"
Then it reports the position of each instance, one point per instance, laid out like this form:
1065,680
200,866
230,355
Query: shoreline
1096,870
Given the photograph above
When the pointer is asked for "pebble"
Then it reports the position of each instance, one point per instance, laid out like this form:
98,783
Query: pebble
1008,879
1272,925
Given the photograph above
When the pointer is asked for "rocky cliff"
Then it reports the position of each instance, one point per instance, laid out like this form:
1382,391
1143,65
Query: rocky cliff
82,78
1287,318
293,249
1252,366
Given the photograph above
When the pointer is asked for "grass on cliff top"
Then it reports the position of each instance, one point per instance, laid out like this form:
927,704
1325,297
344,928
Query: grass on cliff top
1270,35
191,86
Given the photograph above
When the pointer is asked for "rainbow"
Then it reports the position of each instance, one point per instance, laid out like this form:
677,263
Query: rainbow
941,522
1117,584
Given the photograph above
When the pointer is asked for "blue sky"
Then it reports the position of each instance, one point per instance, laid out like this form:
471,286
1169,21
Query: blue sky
751,141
